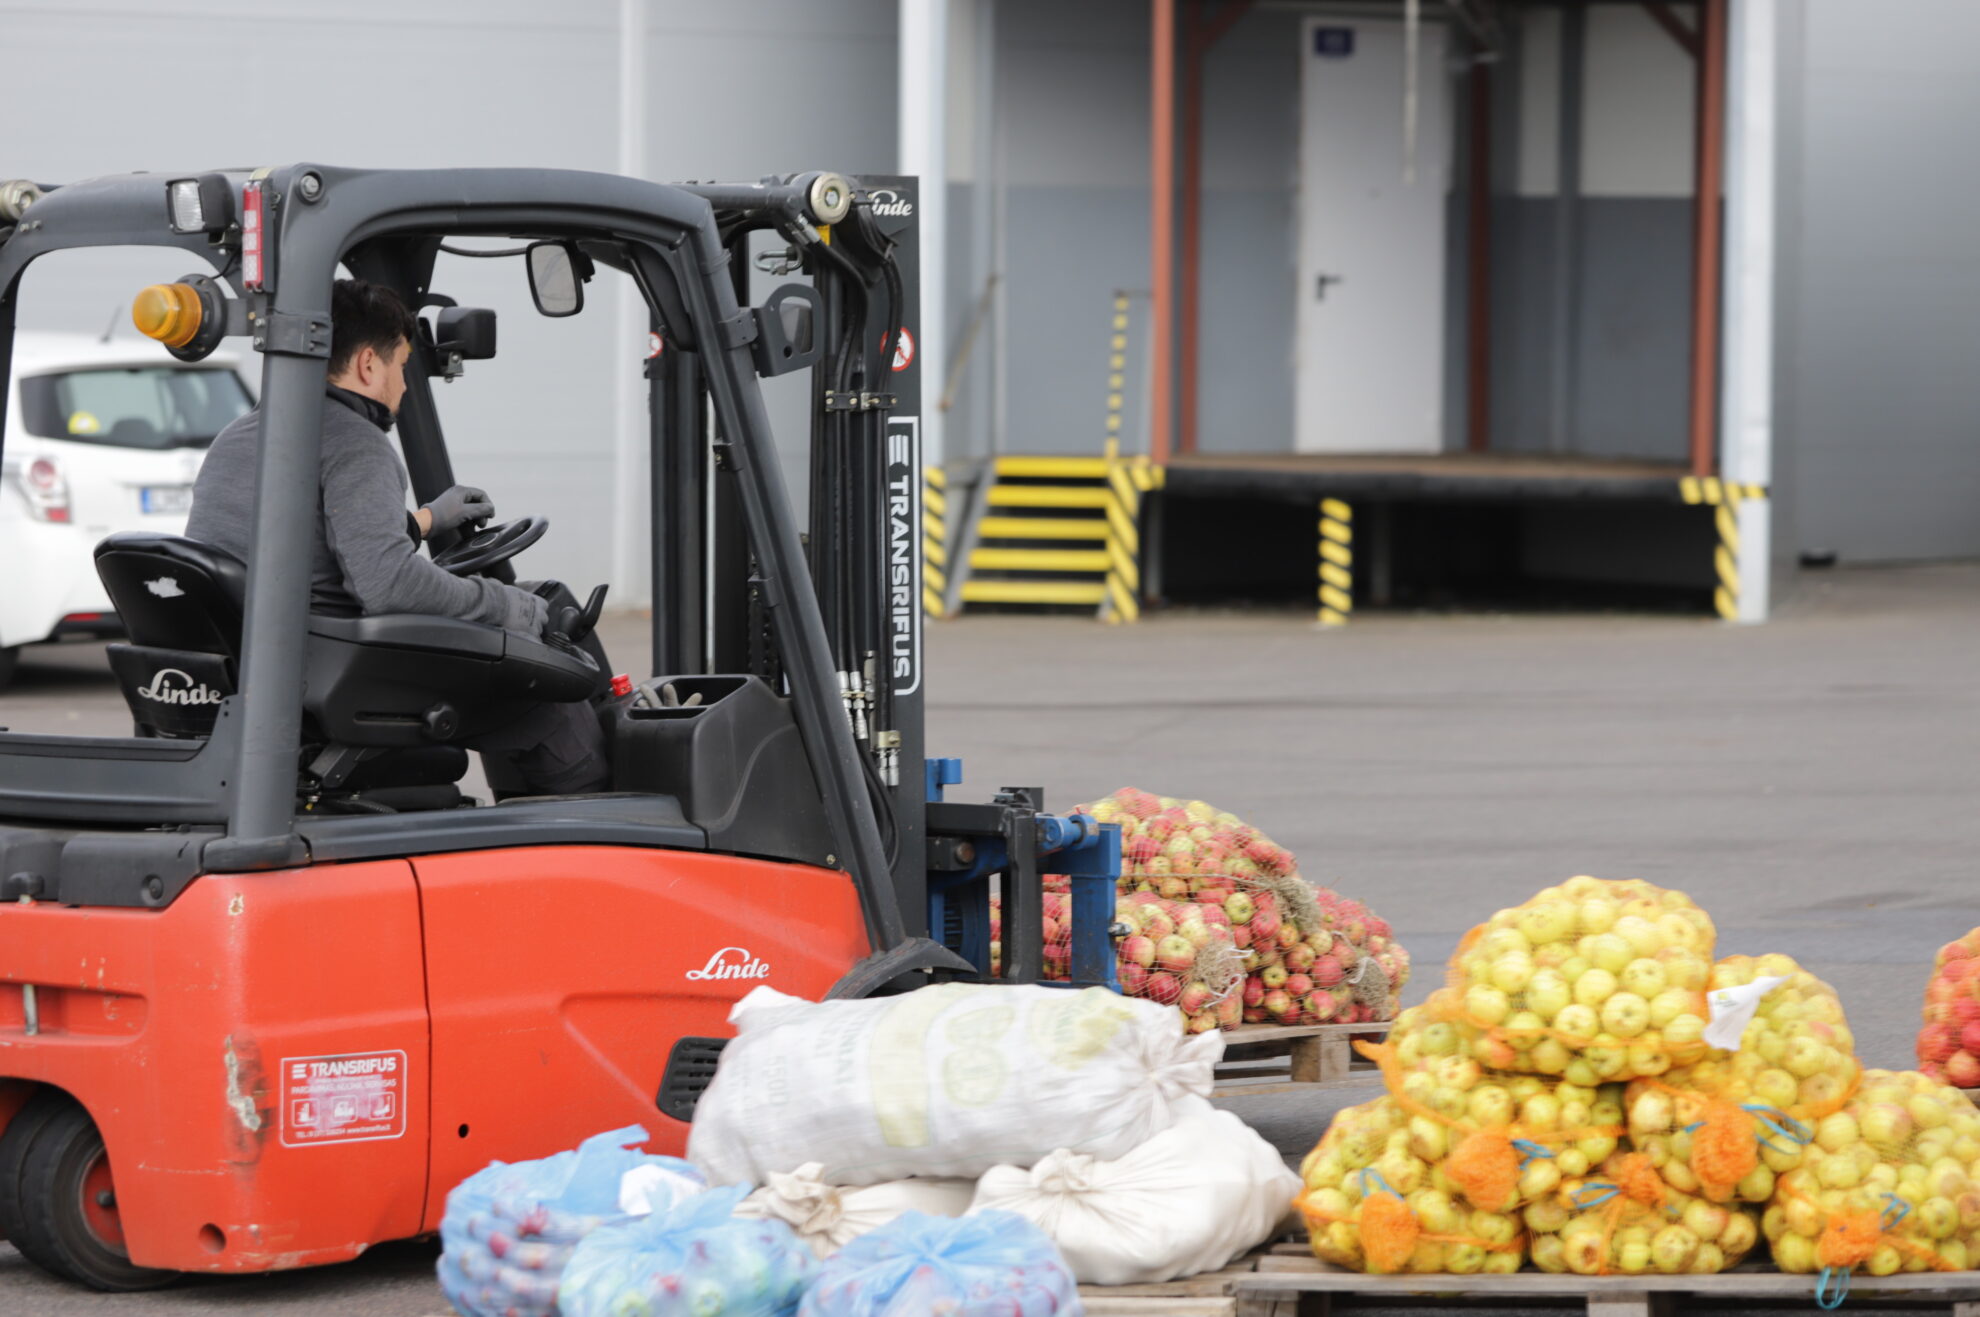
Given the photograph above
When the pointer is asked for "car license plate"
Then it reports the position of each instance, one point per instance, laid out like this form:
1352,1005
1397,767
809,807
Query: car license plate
162,499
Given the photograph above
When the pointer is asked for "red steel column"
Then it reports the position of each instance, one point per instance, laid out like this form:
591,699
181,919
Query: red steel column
1162,221
1478,260
1194,46
1706,237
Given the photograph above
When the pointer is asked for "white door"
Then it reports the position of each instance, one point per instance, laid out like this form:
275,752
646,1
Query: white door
1371,240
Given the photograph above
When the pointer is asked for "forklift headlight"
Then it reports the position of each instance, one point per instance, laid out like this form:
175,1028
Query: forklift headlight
170,313
200,205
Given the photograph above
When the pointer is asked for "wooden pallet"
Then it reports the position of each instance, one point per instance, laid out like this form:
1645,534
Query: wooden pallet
1312,1054
1301,1285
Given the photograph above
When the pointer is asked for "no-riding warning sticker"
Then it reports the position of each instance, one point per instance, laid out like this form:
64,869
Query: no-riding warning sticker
358,1097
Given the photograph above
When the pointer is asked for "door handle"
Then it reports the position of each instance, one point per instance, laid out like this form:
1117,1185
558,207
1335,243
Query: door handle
1320,283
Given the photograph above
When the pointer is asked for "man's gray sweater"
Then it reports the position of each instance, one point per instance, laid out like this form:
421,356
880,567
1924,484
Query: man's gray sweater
364,560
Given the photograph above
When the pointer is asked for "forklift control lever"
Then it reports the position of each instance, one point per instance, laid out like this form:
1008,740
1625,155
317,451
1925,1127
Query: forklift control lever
576,624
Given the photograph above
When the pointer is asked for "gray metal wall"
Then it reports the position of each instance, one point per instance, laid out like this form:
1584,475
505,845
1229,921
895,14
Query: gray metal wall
1878,415
733,90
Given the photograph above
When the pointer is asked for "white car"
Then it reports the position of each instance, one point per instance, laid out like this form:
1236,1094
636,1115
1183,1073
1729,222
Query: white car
102,436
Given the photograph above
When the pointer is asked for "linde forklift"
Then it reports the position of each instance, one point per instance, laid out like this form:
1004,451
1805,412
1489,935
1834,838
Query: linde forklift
270,983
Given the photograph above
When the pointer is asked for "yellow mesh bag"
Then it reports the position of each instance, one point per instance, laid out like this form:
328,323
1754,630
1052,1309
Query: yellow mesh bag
1594,981
1889,1183
1373,1205
1727,1126
1626,1220
1501,1140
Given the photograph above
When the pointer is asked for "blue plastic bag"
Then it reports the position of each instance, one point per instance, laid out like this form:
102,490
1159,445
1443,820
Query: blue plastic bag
696,1260
509,1229
987,1264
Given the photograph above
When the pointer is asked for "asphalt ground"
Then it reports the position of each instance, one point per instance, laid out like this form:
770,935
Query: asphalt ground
1814,783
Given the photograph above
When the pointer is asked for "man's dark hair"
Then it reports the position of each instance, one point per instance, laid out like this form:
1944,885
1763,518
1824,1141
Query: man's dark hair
365,315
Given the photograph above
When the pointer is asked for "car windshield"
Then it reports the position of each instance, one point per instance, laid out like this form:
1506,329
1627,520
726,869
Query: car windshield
133,406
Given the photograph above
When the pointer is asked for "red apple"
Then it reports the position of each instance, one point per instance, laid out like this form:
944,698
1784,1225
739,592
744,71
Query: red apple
1229,1012
1969,1039
1195,997
1254,990
1278,1005
1298,984
1133,977
1936,1043
1274,976
1163,988
1255,1015
1175,953
1963,1070
1301,956
1321,1006
1327,971
1138,950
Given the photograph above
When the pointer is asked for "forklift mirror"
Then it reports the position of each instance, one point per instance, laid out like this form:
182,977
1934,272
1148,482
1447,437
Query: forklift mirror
554,280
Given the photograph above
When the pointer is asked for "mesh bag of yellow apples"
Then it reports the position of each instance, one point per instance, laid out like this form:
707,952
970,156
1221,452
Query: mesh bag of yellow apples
1592,1093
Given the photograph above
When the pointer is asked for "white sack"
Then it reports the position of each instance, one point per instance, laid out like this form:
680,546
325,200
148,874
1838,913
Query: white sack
945,1082
1192,1199
828,1217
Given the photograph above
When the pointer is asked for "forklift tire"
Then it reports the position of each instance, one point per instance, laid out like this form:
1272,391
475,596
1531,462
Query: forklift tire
9,660
67,1203
15,1141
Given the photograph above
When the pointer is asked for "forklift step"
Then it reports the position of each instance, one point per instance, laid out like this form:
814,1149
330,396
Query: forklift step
1055,468
1038,560
1041,528
1049,496
1086,594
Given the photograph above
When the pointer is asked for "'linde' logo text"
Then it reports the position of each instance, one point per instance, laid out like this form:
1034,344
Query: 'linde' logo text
171,686
731,963
886,201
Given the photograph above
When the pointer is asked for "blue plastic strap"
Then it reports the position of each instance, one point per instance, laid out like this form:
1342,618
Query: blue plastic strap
1832,1299
1369,1172
1780,1123
1603,1193
1529,1151
1895,1210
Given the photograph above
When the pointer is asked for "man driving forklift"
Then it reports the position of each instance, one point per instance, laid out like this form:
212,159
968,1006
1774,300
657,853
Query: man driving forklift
366,559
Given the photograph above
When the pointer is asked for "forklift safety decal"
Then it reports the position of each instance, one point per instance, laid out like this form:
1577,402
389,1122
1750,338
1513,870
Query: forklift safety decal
359,1097
732,963
904,553
904,350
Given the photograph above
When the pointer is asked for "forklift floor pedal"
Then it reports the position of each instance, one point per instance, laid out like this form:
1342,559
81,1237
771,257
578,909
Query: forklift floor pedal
689,1068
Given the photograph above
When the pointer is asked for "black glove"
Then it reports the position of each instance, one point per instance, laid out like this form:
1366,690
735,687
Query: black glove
457,507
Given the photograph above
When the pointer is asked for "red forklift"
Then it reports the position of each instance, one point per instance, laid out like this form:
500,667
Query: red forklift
270,983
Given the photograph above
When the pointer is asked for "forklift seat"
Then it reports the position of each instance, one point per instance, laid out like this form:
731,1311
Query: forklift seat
182,605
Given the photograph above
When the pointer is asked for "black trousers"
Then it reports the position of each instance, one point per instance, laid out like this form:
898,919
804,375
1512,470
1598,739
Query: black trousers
554,749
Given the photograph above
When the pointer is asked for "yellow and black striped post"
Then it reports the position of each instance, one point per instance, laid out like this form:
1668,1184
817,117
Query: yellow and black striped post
935,541
1336,562
1127,480
1725,496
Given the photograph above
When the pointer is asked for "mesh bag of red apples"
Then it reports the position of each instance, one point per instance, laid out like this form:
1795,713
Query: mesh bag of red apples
1595,1094
1221,925
1949,1043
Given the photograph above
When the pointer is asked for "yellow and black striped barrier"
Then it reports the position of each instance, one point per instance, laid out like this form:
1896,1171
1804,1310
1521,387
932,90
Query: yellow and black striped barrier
1127,481
1336,562
1725,496
935,541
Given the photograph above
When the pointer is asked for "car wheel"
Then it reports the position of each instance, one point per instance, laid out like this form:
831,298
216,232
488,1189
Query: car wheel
9,660
69,1220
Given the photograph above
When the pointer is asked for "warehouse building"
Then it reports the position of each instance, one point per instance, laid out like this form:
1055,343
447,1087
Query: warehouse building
1462,239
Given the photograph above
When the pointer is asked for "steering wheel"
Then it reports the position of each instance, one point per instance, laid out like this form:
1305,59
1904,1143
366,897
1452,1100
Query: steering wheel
491,545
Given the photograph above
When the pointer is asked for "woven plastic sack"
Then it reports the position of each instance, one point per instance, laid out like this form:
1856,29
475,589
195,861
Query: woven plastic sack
1726,1126
943,1082
827,1217
987,1264
1595,981
693,1259
1176,953
509,1229
1885,1186
1624,1219
1372,1204
1197,1195
1949,1042
1501,1140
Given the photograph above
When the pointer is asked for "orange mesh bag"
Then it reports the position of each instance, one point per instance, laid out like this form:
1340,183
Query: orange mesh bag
1500,1140
1593,981
1178,953
1313,956
1726,1126
1626,1220
1372,1204
1889,1183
